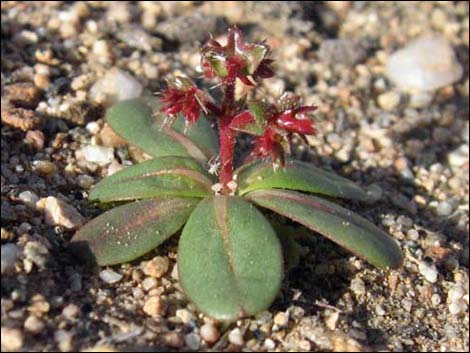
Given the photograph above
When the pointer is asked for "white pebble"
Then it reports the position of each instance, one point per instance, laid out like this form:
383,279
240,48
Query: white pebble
9,253
457,307
421,99
389,100
459,157
426,64
93,127
455,293
185,315
444,208
109,276
99,155
85,181
29,198
193,341
114,86
269,344
209,333
379,310
236,337
428,271
57,212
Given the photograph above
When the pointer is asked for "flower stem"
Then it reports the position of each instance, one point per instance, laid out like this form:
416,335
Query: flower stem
227,138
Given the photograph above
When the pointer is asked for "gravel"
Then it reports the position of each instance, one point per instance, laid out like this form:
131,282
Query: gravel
401,135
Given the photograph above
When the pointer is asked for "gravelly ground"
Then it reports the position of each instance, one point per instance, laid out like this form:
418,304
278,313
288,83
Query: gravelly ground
413,156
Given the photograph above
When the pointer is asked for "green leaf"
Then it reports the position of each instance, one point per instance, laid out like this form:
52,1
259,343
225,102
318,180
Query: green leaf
296,176
336,223
165,176
229,259
129,231
254,56
138,121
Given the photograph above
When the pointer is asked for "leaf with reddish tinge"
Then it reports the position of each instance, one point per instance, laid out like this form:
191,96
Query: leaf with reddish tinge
336,223
229,259
165,176
130,231
296,176
139,121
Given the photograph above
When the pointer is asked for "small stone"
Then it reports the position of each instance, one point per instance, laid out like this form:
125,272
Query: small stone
93,127
281,319
358,286
455,293
457,307
269,345
35,139
341,51
99,155
12,339
149,283
421,99
193,341
44,168
110,139
459,157
173,339
389,100
426,64
100,348
428,271
116,85
332,320
29,198
9,253
57,212
138,293
379,310
71,311
209,333
110,277
24,94
157,267
435,299
154,306
85,181
33,324
135,37
36,253
444,208
114,167
64,340
185,316
236,337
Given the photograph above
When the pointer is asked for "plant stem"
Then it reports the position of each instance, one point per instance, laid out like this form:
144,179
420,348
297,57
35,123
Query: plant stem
226,138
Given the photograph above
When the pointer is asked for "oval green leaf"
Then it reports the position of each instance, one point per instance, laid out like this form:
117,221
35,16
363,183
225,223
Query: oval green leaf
165,176
137,120
130,231
229,259
336,223
297,175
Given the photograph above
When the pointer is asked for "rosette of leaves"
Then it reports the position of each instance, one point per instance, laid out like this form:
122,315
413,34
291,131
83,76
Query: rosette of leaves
230,258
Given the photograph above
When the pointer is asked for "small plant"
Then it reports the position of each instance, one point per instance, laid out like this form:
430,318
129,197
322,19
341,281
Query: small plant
229,258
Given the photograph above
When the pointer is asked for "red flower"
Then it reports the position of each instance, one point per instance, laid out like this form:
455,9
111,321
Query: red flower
236,59
182,96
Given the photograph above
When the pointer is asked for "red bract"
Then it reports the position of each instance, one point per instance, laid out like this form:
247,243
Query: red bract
236,59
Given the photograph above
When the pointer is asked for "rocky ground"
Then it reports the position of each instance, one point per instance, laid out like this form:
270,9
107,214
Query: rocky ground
63,63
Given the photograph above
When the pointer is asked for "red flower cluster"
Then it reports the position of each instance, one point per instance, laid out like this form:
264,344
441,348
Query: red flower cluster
236,60
182,96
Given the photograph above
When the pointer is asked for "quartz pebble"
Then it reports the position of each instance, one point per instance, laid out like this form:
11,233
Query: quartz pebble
157,267
71,311
116,85
458,157
64,340
33,324
9,253
281,319
185,315
58,212
429,271
12,339
154,306
389,100
109,276
209,333
236,337
444,208
29,198
425,64
99,155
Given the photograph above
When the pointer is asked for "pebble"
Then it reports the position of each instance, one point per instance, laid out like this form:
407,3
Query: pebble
379,310
358,286
85,181
444,208
459,157
33,324
269,345
209,333
136,38
114,86
114,167
466,133
457,307
109,138
281,319
188,29
389,100
29,198
71,311
64,340
99,155
154,306
185,316
193,341
9,253
44,168
149,283
236,337
341,51
173,339
425,64
110,277
24,94
421,99
36,253
428,271
58,212
12,339
157,267
93,127
35,139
